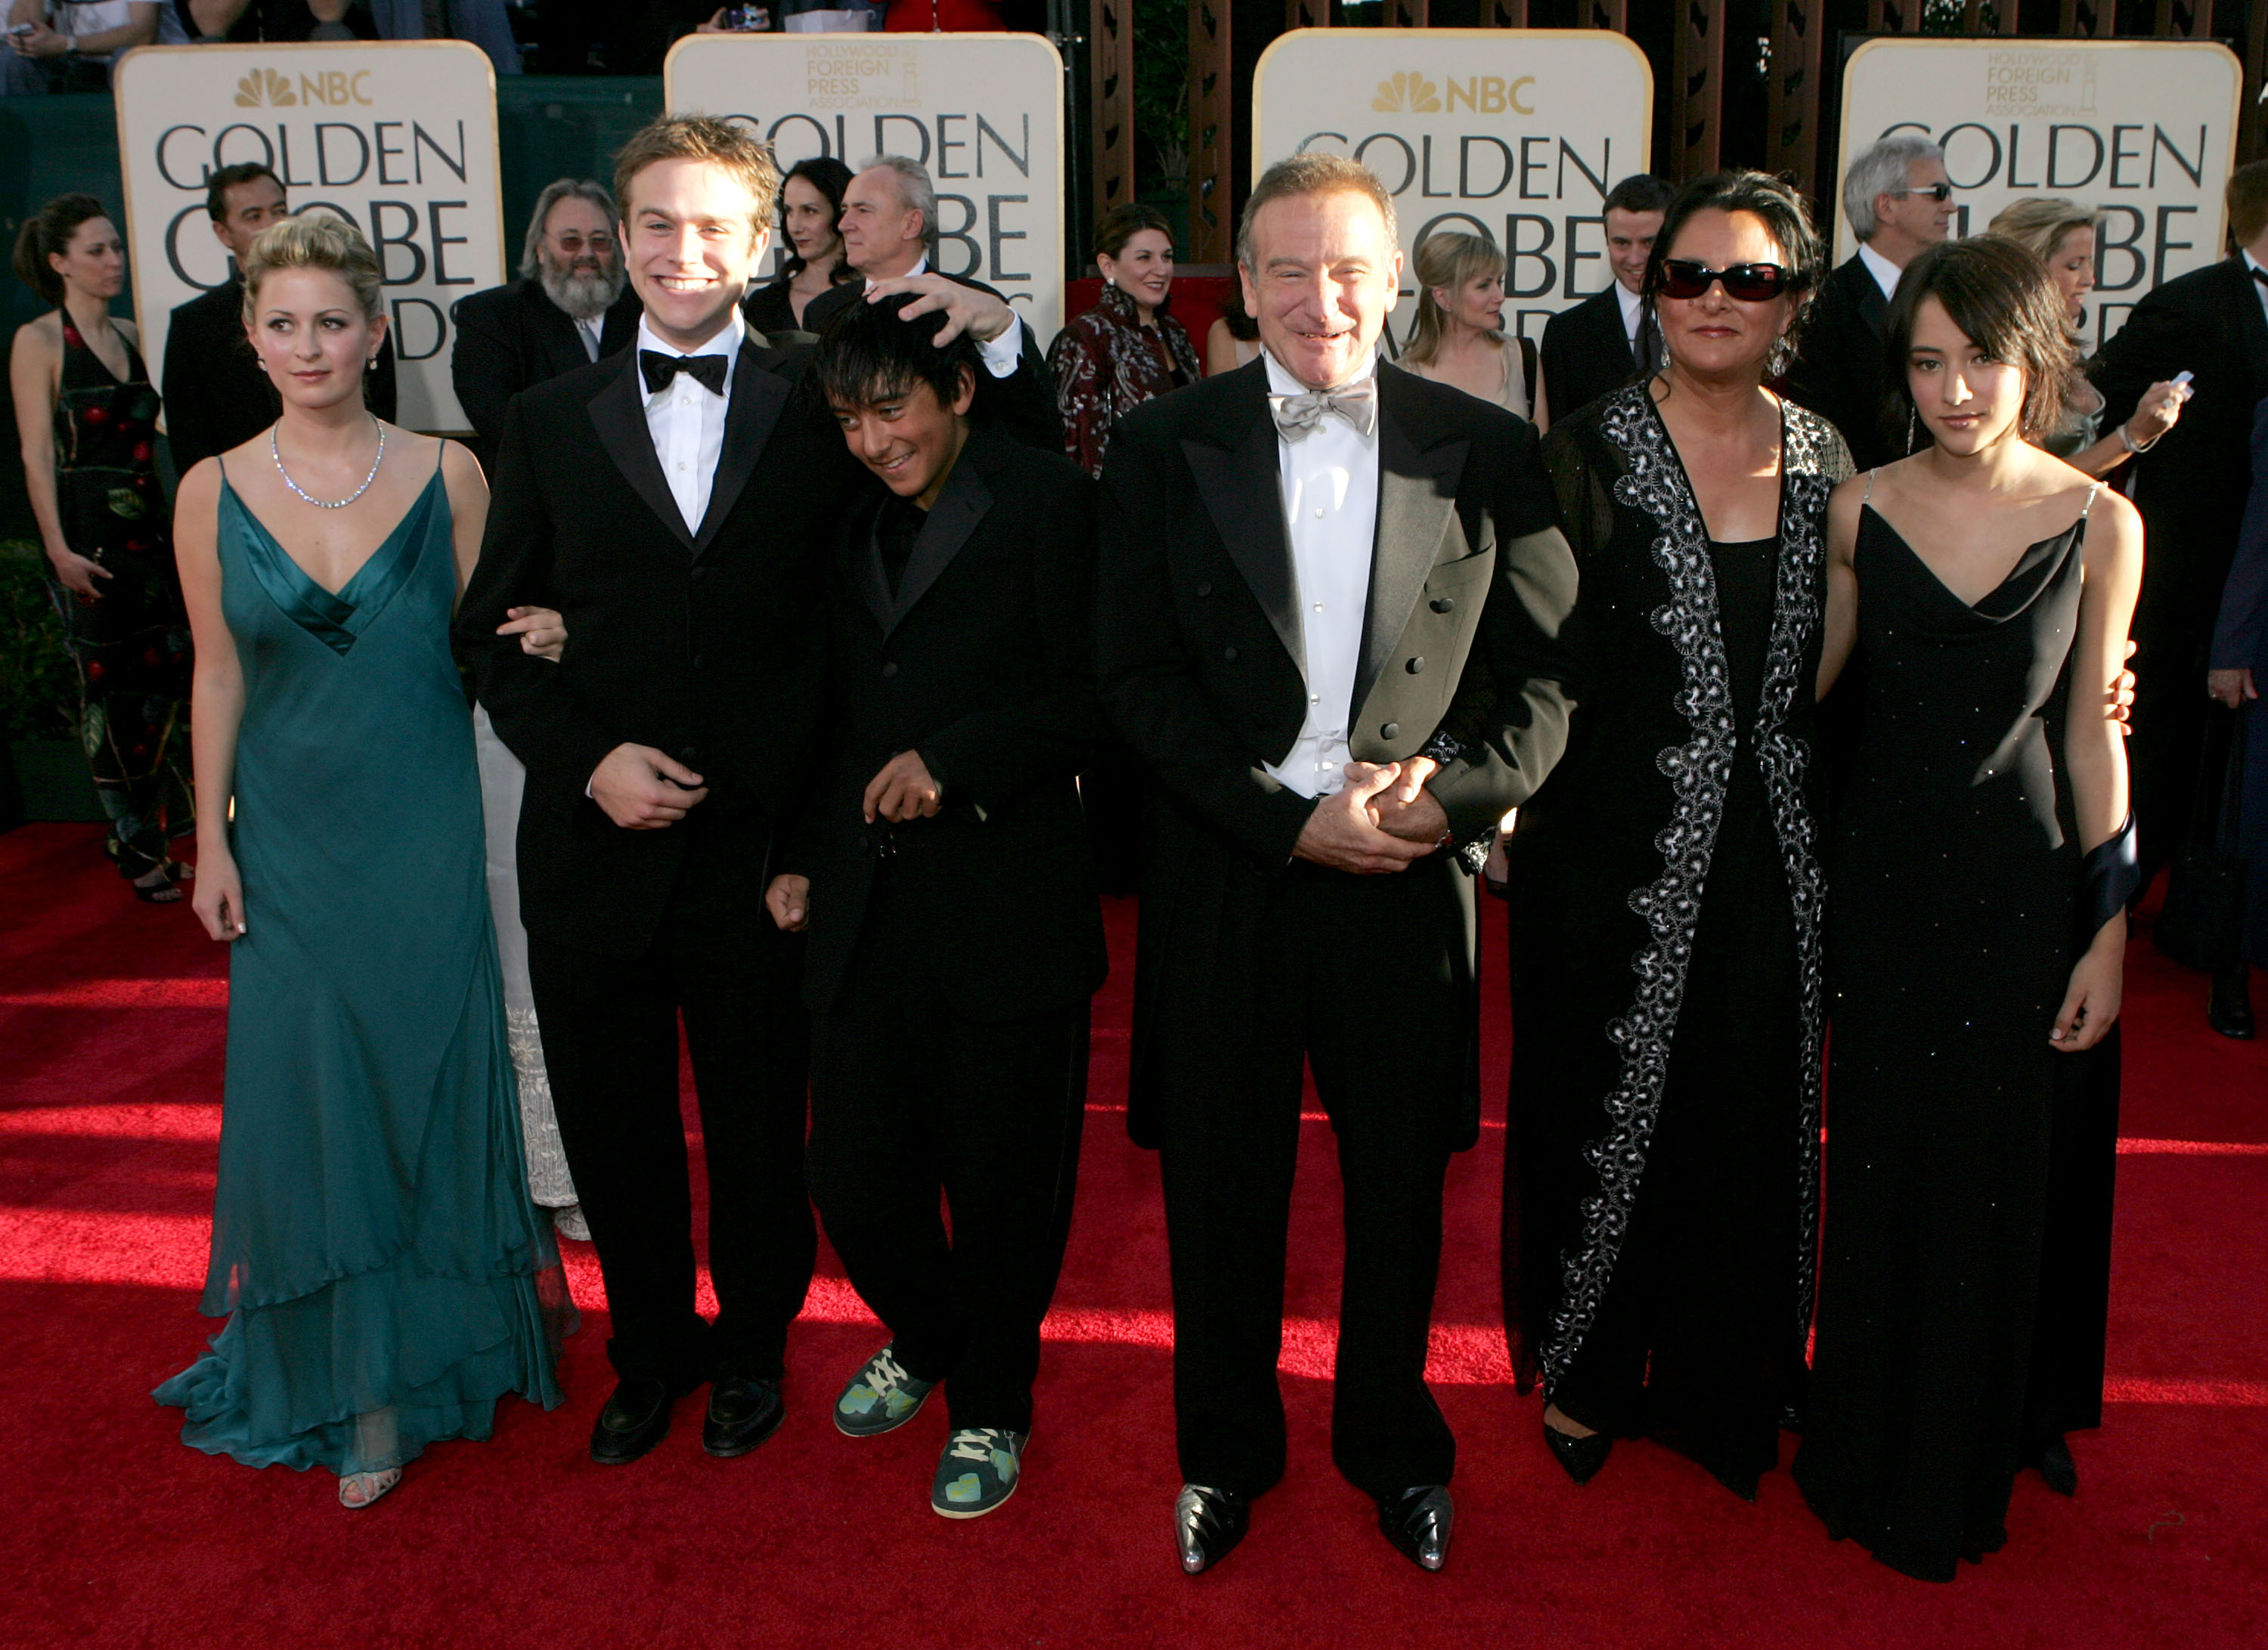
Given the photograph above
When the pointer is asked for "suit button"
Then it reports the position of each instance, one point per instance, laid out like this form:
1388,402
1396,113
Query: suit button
1390,730
1205,589
1442,604
1228,653
1415,666
890,669
699,659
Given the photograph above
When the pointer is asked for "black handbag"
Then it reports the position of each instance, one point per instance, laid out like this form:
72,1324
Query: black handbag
2202,925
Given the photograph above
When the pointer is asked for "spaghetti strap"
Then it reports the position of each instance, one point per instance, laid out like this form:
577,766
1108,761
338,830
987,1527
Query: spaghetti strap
2090,505
440,451
1866,496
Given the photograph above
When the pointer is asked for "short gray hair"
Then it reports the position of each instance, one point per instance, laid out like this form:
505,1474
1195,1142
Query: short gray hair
1882,170
914,188
1315,174
557,190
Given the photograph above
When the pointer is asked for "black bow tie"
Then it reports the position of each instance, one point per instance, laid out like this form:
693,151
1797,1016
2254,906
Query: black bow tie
659,369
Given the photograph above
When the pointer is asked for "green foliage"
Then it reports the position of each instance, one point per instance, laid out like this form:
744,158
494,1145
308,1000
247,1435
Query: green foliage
38,693
1161,95
1944,17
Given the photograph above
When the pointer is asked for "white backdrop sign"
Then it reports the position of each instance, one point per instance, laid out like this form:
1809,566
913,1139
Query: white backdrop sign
399,139
1514,134
2145,130
983,111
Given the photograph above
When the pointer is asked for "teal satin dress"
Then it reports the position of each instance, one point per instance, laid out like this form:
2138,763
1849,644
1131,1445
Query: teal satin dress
384,1276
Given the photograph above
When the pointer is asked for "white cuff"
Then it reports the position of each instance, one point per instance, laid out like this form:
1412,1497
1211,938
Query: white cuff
1001,354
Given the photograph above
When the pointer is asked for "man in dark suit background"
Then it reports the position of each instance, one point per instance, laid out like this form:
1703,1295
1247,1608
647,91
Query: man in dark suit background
217,396
1328,603
571,305
955,939
2191,486
1592,350
1897,200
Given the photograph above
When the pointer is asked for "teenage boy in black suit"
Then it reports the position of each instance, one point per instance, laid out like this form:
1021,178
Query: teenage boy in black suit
1593,348
941,867
673,502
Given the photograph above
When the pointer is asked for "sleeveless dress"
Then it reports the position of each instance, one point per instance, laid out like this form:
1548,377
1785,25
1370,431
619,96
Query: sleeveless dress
384,1276
131,647
1946,1347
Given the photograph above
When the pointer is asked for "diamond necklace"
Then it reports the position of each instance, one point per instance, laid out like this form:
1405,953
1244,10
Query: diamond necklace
327,503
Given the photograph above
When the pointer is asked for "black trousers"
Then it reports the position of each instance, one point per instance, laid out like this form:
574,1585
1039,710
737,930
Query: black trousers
909,1099
1369,979
609,1027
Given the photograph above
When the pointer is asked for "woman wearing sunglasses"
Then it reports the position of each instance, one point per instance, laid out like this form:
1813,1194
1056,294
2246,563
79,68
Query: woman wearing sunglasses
1666,962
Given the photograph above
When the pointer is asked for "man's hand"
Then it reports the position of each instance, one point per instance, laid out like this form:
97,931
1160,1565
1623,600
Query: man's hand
2232,687
39,42
643,790
77,573
980,316
789,900
541,630
903,791
1342,834
1406,808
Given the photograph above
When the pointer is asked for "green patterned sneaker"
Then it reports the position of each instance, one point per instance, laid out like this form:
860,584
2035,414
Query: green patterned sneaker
977,1471
880,1397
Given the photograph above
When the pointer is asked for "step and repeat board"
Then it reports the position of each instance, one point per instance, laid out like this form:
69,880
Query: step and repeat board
397,137
1514,134
983,111
2145,131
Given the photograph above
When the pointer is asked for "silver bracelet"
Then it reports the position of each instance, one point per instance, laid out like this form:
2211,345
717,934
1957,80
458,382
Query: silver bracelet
2127,441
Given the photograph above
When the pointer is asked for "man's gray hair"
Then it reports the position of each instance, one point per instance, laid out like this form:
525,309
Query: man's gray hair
914,188
1882,170
557,190
1314,174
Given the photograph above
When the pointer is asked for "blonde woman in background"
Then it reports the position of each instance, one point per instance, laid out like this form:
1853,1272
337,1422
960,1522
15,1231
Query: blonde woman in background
1458,337
2061,234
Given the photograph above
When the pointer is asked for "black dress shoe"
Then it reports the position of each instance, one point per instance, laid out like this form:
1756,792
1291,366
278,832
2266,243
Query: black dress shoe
2230,1009
2053,1462
634,1420
1582,1457
1207,1523
1417,1521
743,1411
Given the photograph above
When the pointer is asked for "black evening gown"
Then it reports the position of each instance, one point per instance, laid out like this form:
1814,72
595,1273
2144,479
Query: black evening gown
1964,1264
1665,960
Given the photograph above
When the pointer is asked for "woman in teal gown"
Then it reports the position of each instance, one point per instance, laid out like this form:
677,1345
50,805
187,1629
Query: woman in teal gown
384,1276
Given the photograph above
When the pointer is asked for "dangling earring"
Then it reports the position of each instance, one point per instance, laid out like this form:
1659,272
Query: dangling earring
369,364
1910,429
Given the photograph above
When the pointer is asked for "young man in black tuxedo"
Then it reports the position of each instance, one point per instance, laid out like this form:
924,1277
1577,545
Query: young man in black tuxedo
571,305
1593,348
1329,596
940,864
672,501
217,395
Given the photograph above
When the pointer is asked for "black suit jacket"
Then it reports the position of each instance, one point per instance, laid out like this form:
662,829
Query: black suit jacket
216,397
1586,354
511,336
982,662
699,644
1838,371
1023,404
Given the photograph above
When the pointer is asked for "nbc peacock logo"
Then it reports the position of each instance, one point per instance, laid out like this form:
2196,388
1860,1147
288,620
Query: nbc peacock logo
265,85
1407,94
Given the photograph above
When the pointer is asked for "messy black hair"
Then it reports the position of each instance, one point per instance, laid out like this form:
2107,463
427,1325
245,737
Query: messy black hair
869,353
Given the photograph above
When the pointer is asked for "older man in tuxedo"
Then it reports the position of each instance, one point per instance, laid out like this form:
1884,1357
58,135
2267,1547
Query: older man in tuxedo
572,303
1331,595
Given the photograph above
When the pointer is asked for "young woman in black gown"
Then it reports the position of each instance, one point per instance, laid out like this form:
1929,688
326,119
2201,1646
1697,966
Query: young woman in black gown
1981,864
1661,1186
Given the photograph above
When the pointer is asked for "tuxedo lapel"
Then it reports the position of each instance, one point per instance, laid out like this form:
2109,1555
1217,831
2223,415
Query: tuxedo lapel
1240,481
758,398
1417,476
1873,308
960,504
865,560
563,342
618,413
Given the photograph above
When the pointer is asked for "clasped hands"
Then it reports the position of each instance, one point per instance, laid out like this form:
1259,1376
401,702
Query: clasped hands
1383,821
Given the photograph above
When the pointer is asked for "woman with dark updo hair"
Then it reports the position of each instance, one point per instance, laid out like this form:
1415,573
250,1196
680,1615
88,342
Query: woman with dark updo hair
1128,348
1982,862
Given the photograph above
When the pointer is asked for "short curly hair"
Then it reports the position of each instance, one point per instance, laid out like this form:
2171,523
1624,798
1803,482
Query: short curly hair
1785,218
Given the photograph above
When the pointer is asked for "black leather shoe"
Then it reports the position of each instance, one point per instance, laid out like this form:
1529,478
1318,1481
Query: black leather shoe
1417,1521
2053,1462
2229,1010
634,1420
743,1411
1207,1524
1581,1457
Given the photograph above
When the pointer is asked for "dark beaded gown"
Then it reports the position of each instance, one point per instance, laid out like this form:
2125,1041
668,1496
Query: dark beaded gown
1963,1269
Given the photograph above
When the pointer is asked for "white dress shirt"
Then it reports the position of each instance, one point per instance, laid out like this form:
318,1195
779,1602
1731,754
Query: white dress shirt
1633,306
1330,507
1886,274
687,421
2258,291
1000,354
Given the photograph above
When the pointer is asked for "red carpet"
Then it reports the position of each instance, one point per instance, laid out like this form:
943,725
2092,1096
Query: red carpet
115,1534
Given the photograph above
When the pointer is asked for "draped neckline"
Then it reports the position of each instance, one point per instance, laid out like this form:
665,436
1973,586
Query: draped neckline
337,618
1989,607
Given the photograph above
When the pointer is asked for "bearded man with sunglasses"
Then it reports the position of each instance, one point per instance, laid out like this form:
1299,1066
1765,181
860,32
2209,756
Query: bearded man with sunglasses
1898,200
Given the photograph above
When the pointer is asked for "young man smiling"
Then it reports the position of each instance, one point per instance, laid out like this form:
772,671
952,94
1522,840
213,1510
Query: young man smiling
941,869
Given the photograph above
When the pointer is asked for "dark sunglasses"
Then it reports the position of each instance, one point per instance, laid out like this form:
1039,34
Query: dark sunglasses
1750,283
1939,192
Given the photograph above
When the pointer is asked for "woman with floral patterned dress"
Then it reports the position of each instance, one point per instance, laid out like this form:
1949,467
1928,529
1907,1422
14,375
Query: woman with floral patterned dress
88,420
1126,349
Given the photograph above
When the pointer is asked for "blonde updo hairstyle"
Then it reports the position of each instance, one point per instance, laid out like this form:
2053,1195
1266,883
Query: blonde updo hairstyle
1449,258
315,241
2041,222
